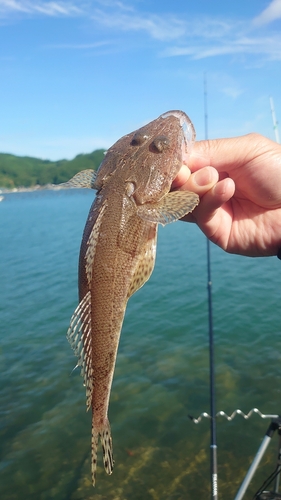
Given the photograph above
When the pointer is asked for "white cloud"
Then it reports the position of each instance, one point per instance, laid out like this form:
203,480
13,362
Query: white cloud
266,46
197,38
159,28
12,5
55,8
271,13
232,91
8,7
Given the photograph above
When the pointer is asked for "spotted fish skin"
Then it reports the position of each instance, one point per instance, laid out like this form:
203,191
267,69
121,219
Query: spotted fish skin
118,249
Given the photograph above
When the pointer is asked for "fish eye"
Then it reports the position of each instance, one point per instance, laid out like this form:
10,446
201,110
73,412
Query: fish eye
160,143
139,138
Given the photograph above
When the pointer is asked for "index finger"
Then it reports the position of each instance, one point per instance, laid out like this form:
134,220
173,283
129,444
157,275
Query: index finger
223,154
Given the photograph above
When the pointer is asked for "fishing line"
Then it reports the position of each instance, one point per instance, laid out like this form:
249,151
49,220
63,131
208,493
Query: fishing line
213,429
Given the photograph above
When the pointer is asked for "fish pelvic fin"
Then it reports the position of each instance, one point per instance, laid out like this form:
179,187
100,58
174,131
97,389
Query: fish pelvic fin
145,263
79,337
104,433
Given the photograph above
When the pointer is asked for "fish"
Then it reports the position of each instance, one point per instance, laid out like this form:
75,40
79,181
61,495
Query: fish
118,250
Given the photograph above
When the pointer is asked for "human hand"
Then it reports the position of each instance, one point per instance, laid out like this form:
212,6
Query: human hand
240,194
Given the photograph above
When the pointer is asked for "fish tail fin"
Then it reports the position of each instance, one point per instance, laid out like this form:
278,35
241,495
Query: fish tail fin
106,441
95,440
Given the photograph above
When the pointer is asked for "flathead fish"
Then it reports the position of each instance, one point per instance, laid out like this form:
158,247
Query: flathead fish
118,249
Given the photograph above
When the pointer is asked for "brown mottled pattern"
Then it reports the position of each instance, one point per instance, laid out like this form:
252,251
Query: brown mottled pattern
118,249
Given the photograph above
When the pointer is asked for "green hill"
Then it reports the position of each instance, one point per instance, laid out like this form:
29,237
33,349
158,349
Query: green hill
25,171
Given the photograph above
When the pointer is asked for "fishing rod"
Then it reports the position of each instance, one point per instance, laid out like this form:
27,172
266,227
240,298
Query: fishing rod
213,428
275,425
261,494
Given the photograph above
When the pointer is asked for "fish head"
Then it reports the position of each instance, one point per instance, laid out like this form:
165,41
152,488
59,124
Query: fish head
150,157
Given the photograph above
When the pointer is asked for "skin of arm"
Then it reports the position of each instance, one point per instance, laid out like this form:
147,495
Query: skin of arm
239,184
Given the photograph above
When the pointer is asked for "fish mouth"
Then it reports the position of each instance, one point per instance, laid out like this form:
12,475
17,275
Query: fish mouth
188,132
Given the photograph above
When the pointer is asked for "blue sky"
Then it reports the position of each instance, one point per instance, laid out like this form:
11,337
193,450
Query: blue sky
77,75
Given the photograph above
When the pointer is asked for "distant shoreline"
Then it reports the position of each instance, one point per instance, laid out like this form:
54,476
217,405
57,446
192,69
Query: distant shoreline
37,187
24,174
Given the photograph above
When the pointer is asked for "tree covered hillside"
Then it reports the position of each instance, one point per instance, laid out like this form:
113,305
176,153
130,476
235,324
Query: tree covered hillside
16,171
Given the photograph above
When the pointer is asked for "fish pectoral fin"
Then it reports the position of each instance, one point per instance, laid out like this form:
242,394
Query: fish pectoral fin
83,179
79,337
170,208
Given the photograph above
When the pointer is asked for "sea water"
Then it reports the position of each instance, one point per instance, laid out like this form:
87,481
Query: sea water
162,371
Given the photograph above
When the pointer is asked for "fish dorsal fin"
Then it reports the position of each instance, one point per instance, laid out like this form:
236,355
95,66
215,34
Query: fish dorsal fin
92,244
145,264
170,208
79,337
83,179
